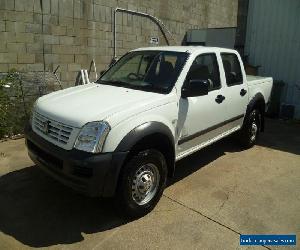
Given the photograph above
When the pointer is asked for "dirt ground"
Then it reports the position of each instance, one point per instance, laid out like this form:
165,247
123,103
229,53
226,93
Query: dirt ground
216,195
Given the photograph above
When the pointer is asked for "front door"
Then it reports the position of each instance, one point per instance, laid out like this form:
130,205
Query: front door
200,118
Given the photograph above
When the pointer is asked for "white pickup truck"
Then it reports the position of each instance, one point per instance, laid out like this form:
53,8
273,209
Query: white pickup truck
121,135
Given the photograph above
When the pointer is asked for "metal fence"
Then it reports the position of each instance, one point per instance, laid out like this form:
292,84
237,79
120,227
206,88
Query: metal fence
18,92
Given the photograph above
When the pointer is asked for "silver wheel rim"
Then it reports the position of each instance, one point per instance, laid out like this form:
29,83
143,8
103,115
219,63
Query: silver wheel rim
145,183
253,131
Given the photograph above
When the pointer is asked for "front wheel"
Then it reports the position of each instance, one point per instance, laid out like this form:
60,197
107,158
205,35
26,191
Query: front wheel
250,131
142,182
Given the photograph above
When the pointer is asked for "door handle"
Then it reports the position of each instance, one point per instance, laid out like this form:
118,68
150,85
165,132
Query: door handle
243,92
220,98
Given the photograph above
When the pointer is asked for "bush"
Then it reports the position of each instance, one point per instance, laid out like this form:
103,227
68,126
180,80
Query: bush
18,92
13,112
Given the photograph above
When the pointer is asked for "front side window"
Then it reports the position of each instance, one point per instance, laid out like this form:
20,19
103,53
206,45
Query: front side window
232,68
205,67
155,71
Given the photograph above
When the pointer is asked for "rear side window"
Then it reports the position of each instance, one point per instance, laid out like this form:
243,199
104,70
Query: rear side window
232,69
205,67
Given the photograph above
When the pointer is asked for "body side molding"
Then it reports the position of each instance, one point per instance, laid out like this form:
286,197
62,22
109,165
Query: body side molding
190,137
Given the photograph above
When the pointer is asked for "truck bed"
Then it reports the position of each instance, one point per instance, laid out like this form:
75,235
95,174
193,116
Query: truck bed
256,79
259,84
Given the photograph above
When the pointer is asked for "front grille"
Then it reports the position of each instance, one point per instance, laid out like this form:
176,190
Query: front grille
52,129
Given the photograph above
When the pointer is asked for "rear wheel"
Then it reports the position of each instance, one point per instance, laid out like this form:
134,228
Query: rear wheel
250,131
142,182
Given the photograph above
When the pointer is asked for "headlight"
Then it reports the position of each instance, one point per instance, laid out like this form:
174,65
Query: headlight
92,137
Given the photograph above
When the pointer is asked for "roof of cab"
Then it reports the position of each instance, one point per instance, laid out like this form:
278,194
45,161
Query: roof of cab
188,49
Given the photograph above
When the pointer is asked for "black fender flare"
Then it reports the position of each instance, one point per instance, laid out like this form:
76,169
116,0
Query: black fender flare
123,151
145,130
142,131
257,100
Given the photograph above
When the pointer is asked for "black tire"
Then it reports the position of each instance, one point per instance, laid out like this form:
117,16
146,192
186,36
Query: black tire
250,131
126,197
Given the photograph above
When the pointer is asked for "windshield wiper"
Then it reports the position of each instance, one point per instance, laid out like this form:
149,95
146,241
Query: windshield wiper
157,88
148,87
115,83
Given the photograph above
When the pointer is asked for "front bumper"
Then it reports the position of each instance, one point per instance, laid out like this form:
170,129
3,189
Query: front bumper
91,174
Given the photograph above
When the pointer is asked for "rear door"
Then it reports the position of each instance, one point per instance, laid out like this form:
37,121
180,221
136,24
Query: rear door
200,118
236,90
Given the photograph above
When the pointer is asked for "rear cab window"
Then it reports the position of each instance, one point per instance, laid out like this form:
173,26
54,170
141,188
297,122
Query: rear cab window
232,69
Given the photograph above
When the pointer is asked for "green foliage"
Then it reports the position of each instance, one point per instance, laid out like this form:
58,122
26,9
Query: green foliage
18,92
12,109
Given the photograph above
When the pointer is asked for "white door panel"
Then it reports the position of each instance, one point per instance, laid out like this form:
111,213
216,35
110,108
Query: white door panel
199,116
236,103
236,86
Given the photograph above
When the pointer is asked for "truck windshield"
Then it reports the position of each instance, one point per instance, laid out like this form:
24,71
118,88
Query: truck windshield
155,71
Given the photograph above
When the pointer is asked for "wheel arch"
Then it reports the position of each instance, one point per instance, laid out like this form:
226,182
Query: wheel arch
150,135
257,102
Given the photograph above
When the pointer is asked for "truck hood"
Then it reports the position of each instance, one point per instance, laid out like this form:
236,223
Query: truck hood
79,105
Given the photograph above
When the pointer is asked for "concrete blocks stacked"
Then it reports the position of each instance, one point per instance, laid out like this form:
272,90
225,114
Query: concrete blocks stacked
39,35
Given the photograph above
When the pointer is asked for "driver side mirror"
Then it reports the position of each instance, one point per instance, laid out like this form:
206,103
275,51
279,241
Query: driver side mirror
195,88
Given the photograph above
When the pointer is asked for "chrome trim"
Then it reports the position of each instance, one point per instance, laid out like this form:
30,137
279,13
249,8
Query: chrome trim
52,129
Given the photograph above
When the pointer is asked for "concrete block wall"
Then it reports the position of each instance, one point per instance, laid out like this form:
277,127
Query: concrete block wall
222,13
38,35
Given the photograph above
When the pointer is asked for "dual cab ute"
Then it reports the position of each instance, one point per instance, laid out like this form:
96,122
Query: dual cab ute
121,135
